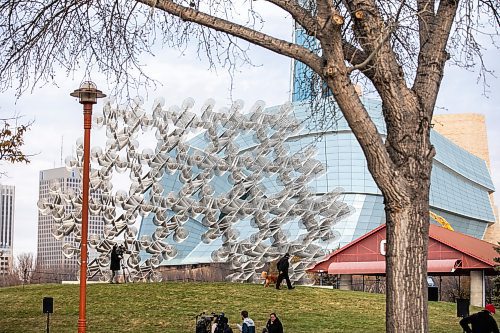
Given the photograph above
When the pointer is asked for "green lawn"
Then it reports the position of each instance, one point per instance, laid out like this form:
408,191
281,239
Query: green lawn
172,307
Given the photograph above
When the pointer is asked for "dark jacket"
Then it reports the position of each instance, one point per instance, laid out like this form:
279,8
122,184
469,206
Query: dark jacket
283,264
223,328
481,322
274,327
116,256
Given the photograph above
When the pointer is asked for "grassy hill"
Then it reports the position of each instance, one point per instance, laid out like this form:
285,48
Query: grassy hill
172,307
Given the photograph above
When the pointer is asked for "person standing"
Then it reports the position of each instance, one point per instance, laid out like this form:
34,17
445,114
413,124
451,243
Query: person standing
283,266
273,324
248,326
481,322
116,257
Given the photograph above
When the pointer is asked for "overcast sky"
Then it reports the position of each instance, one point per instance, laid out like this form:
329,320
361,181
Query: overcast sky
59,120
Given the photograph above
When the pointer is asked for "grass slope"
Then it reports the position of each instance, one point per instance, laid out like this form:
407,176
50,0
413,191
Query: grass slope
171,308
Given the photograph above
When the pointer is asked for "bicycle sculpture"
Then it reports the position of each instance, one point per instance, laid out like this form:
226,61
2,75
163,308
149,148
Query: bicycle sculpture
268,189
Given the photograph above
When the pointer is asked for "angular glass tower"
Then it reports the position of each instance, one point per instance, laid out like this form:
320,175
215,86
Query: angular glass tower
460,181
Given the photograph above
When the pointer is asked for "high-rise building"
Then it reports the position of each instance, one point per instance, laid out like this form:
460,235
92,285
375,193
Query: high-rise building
50,256
7,203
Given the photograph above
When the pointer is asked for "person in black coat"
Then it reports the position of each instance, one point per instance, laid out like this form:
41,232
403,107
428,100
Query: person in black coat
283,266
222,325
481,322
273,324
116,257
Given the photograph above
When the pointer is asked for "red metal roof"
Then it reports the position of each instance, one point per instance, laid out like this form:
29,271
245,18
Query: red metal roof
446,249
474,247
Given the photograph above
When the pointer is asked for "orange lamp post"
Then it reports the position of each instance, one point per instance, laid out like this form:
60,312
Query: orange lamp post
87,95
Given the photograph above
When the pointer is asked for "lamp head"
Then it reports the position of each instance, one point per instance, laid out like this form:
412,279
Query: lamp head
88,93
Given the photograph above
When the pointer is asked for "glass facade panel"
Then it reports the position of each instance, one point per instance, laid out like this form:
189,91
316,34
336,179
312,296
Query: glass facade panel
454,193
474,228
461,161
460,185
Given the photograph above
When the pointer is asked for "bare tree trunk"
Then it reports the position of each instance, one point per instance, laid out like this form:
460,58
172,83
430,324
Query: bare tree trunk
401,168
406,259
407,216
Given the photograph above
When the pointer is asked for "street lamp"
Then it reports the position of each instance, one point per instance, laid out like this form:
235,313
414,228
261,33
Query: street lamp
87,95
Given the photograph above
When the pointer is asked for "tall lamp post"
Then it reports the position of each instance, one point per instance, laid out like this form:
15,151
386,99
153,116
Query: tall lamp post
87,95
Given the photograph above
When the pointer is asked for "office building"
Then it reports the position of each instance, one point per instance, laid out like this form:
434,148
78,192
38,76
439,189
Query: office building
7,204
50,256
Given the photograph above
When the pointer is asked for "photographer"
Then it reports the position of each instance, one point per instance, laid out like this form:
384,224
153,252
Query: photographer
221,324
116,257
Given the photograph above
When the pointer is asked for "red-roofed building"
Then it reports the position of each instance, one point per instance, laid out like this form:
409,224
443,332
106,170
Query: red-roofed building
450,253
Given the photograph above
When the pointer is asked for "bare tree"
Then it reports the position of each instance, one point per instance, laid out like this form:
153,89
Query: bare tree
399,46
25,267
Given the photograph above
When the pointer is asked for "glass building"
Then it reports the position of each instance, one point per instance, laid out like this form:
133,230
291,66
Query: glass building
460,181
460,187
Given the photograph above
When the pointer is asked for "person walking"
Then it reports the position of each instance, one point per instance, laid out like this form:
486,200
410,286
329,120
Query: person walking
273,324
114,266
248,326
481,322
283,266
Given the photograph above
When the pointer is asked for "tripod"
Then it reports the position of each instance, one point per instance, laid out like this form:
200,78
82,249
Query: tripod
124,267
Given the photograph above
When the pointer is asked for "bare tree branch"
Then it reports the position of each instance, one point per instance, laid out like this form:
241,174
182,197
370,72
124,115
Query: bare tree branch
368,30
353,54
258,38
433,55
425,19
299,14
386,35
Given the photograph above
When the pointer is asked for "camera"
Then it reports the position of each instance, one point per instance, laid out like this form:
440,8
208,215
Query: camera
220,318
222,322
120,250
205,322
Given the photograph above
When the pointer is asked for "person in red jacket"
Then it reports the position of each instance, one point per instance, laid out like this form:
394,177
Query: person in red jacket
481,322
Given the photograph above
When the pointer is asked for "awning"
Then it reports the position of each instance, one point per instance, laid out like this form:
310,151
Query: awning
378,267
443,266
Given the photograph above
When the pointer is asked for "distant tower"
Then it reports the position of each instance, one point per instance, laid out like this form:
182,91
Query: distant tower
7,200
50,258
302,74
